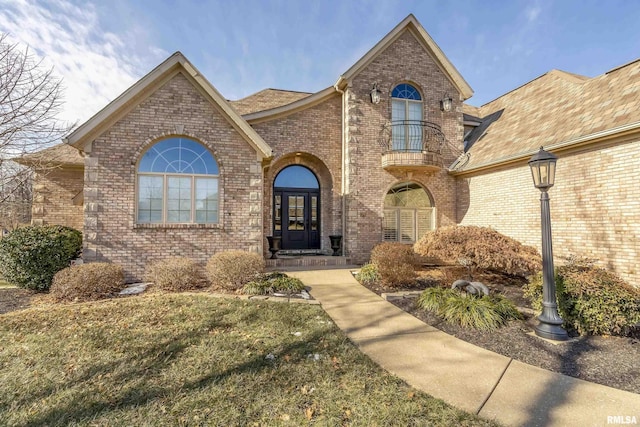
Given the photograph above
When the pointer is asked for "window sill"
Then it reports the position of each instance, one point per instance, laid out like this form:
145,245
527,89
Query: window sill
177,226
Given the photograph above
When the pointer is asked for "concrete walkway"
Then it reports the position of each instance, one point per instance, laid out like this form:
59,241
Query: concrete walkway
466,376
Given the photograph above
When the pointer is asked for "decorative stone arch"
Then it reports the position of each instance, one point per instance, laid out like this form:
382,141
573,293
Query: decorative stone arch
409,211
329,222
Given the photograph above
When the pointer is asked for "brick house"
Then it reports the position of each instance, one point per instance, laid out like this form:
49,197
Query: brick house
388,152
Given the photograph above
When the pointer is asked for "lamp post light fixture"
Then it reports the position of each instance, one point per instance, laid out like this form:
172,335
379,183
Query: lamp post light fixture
543,169
375,94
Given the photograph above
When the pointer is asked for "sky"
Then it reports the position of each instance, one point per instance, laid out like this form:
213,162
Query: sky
100,48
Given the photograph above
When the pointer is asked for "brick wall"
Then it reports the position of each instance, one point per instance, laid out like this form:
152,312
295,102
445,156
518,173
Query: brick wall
404,61
315,133
54,191
595,206
111,233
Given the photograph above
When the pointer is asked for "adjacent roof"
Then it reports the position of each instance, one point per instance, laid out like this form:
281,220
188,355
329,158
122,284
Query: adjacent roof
176,63
267,99
58,155
555,110
410,23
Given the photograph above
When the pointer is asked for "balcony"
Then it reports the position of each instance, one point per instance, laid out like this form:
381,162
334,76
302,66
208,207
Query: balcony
412,145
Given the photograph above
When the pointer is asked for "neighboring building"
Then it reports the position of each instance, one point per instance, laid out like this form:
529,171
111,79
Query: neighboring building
387,153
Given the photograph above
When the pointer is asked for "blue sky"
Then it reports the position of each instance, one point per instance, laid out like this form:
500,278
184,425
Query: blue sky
102,47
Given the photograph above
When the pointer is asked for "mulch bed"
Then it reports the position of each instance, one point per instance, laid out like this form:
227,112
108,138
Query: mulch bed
607,360
14,299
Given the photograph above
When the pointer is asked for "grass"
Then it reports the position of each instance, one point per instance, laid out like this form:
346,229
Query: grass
196,360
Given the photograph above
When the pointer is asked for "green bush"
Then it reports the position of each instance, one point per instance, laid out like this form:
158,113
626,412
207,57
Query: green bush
483,313
479,247
270,283
591,300
234,269
175,274
87,282
368,274
396,263
31,256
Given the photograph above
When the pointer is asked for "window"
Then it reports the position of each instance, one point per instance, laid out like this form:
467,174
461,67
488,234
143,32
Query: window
408,213
406,118
178,184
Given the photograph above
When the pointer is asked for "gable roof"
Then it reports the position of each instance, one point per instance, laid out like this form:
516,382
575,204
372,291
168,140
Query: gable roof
410,23
176,63
267,99
556,110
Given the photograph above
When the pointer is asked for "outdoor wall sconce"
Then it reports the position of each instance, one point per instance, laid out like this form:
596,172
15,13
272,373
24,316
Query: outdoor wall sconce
375,94
543,170
446,104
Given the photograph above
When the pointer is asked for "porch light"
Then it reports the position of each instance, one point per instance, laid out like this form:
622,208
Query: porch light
447,103
543,169
375,94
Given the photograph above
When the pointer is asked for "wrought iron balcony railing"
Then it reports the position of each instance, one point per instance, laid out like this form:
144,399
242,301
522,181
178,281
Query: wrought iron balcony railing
416,136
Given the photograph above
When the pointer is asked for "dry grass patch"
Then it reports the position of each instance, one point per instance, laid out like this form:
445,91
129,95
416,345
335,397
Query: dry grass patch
170,359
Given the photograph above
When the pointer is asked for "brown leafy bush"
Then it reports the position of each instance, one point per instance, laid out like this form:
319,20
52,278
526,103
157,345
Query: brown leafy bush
175,274
234,269
87,282
591,300
479,247
396,263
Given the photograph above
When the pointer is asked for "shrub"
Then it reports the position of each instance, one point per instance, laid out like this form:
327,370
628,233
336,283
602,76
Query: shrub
175,274
396,263
270,283
87,282
591,300
234,269
479,247
483,313
31,256
368,274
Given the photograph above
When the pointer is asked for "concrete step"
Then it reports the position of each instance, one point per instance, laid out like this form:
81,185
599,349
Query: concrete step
305,260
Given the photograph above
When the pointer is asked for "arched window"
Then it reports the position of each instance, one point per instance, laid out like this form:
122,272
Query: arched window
406,118
408,213
178,184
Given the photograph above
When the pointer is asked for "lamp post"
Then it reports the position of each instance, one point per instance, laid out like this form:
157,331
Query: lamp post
543,169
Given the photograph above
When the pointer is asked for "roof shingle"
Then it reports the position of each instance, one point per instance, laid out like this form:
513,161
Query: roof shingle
266,99
554,108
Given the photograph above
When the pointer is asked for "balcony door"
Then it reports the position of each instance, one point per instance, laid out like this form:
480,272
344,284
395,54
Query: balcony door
296,208
406,118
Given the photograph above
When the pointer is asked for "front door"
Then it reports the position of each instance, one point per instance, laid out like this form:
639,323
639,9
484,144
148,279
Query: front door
297,218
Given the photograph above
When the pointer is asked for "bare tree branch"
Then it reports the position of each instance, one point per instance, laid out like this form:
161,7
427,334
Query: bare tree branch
30,100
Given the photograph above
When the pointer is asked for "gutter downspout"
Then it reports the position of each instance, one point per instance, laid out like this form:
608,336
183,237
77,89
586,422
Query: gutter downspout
343,176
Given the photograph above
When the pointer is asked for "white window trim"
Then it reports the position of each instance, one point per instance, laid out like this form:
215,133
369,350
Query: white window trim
164,198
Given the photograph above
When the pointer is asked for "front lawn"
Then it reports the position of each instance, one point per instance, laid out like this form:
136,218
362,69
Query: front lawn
197,360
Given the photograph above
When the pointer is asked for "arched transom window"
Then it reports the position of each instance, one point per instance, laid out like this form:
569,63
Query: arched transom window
178,184
406,118
408,213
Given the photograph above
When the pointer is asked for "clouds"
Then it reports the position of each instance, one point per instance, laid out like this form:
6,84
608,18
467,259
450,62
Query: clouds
96,65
